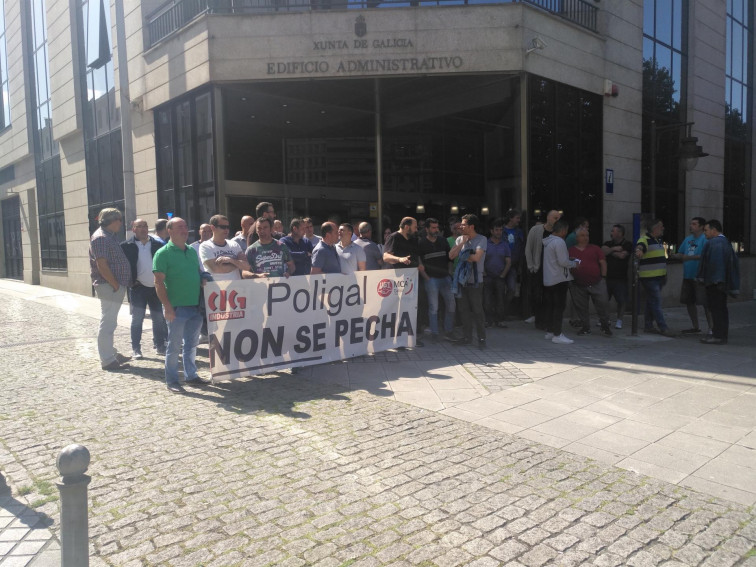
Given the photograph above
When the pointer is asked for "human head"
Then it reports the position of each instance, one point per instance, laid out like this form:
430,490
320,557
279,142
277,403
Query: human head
712,228
266,210
178,231
277,226
408,226
220,227
582,237
110,219
431,227
205,232
560,227
161,228
497,227
329,232
512,218
366,230
617,233
656,228
345,233
386,233
247,222
454,226
697,225
552,217
296,228
264,229
581,222
307,226
470,224
141,230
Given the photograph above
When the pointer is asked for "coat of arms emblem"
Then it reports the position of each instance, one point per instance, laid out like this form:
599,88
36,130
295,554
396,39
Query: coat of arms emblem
360,27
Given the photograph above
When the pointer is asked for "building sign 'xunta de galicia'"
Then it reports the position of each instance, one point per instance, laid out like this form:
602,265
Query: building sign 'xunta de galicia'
356,51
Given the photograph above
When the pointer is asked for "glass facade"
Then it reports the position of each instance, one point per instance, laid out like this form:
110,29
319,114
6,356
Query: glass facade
5,117
565,142
738,121
184,143
102,119
664,96
52,226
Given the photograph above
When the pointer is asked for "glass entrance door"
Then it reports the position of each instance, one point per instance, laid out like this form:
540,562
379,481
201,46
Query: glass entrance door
14,254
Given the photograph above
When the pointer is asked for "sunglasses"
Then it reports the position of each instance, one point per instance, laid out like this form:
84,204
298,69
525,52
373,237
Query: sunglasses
224,226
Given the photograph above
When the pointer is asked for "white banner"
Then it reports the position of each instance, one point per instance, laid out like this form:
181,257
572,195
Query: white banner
261,325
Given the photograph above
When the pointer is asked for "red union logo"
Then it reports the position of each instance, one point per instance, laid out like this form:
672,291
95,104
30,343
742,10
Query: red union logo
385,287
223,301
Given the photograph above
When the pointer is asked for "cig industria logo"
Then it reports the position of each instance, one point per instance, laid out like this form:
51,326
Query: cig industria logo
225,306
360,27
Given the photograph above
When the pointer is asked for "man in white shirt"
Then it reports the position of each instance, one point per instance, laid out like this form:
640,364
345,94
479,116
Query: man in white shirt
351,255
140,249
223,258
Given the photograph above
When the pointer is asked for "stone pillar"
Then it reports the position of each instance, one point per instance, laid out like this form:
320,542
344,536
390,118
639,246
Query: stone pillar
72,463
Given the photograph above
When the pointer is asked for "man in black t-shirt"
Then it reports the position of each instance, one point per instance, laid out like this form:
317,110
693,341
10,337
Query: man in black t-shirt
617,252
434,252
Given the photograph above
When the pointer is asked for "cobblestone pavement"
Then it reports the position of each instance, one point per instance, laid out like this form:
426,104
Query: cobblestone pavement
281,470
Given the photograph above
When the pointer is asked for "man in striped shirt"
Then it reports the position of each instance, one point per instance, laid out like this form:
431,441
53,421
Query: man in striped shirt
652,274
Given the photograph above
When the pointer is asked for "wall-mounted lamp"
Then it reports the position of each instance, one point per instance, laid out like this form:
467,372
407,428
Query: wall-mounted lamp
536,44
420,209
484,210
454,210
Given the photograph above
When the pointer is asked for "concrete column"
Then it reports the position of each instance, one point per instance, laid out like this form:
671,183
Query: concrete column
72,463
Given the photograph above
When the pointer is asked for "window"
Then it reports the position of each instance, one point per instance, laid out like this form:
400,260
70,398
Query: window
5,117
664,80
102,120
52,226
738,122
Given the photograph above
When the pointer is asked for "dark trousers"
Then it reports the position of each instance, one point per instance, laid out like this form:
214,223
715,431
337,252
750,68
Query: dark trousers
554,301
470,308
532,292
720,316
495,299
141,297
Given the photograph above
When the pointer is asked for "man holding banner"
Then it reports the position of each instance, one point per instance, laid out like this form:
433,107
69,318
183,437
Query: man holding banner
325,259
268,258
177,283
223,258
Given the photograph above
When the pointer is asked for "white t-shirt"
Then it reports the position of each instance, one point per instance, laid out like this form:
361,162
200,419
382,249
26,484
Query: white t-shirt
349,256
208,250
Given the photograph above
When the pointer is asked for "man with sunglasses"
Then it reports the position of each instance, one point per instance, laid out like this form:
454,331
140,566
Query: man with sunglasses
223,258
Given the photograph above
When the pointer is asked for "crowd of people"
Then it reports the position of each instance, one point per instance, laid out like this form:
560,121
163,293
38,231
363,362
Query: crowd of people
467,280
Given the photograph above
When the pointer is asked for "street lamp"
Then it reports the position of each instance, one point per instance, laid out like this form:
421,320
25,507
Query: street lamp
687,156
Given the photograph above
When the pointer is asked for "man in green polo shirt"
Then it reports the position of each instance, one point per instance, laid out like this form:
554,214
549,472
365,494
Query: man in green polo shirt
177,283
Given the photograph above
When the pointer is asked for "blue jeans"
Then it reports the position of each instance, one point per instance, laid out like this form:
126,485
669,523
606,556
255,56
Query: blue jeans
184,329
652,288
142,296
434,287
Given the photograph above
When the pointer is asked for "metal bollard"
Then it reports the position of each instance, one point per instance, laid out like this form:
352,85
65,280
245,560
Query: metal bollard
72,463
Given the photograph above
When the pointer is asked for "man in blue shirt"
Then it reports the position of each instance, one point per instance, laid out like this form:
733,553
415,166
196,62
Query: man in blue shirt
299,246
325,259
692,292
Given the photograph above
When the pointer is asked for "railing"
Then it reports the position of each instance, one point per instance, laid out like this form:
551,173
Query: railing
176,14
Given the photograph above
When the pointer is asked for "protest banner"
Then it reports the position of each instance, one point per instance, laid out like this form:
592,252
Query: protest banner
260,325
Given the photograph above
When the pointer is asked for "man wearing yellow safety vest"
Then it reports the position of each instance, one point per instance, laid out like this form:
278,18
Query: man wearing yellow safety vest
652,273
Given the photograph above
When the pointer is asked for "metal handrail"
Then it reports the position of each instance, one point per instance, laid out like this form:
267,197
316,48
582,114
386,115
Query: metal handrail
176,14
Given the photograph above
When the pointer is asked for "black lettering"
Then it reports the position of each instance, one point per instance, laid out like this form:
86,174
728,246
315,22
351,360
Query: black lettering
223,351
371,327
303,336
354,295
405,325
272,299
242,354
342,328
388,325
271,68
355,334
295,300
273,343
318,337
337,305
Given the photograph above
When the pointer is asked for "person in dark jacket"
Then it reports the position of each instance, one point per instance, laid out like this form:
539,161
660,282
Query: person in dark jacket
139,250
719,271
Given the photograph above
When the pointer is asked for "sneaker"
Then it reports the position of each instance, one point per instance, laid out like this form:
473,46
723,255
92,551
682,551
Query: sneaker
451,337
606,330
197,381
584,331
548,336
618,324
137,354
562,340
530,319
176,389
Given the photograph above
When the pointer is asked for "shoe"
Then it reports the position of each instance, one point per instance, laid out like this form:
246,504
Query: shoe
548,336
482,344
713,341
530,319
618,324
451,337
176,389
562,340
667,333
584,331
693,331
606,330
501,325
137,354
121,359
160,351
463,342
197,381
115,365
